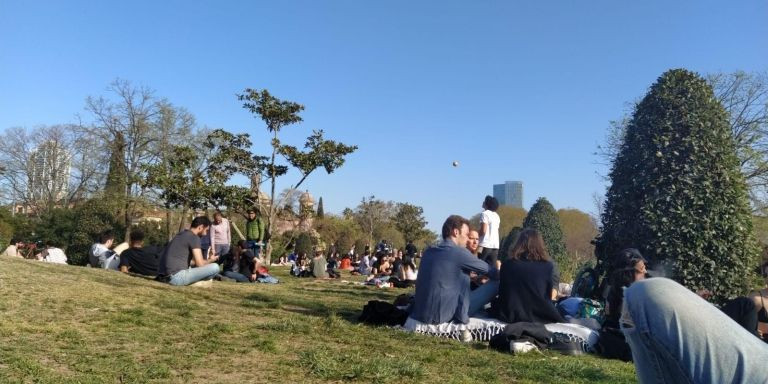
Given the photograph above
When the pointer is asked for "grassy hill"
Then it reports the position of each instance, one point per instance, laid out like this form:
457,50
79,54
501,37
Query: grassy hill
64,324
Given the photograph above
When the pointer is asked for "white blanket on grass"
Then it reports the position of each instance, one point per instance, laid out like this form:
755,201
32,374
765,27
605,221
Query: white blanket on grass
484,328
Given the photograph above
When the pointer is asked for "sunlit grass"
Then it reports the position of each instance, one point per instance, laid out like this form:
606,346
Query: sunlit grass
65,324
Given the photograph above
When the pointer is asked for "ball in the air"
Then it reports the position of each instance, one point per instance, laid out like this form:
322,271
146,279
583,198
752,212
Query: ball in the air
455,163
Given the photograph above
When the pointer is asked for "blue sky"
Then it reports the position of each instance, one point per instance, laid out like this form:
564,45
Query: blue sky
511,90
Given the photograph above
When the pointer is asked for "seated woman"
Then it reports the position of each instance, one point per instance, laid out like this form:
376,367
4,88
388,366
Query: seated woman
407,277
630,267
525,286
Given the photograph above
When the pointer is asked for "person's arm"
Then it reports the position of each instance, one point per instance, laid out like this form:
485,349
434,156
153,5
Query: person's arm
228,231
261,228
197,256
484,220
471,263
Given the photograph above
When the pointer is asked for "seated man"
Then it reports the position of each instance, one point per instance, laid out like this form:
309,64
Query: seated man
138,259
174,263
319,266
100,255
442,291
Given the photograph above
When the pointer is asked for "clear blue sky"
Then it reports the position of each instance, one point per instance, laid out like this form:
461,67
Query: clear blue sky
511,90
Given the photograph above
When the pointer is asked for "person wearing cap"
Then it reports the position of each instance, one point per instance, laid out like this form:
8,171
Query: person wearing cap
319,266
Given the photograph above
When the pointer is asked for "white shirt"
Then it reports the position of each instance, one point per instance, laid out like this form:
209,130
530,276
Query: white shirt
11,251
490,238
55,255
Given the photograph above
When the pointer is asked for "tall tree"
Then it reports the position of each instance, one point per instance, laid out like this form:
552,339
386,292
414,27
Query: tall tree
409,220
579,229
744,95
677,192
543,218
372,215
47,166
318,152
148,125
320,209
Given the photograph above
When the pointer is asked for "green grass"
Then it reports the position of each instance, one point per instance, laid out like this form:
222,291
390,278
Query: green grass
62,324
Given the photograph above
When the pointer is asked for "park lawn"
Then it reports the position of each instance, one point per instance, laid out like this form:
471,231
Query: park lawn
66,324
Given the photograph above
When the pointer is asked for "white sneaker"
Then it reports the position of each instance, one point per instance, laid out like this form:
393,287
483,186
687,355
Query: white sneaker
522,347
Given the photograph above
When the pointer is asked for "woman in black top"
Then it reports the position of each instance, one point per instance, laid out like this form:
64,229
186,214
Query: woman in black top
525,285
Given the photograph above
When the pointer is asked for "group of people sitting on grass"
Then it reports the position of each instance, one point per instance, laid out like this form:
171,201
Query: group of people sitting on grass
671,333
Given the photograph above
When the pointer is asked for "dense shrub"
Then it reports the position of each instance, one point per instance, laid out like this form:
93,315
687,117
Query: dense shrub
544,219
676,189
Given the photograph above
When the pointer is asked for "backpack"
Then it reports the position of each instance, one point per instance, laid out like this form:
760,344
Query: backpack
591,309
586,283
382,313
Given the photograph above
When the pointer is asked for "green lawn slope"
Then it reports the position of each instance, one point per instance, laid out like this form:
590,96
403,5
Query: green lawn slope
65,324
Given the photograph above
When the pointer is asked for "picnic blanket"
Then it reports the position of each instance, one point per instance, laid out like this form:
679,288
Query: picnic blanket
484,328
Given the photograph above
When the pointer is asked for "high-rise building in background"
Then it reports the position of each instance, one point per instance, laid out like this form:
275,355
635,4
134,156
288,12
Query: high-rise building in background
510,193
49,176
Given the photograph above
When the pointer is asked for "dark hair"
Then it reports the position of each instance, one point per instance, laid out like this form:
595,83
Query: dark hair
51,243
200,220
490,203
242,244
764,269
453,222
529,246
15,240
623,276
106,236
137,235
218,212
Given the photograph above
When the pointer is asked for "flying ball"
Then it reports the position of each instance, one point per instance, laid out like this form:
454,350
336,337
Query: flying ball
455,163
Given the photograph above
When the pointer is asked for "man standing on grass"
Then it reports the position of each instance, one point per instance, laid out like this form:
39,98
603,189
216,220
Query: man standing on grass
442,289
255,229
174,263
489,232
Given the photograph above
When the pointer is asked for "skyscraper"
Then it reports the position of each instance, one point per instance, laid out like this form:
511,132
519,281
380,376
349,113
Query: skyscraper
510,193
49,176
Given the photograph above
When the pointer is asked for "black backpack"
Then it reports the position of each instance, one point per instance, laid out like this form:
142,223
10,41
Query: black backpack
382,313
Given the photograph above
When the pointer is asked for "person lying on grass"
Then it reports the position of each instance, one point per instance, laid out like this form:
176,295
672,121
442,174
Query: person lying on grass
175,261
138,259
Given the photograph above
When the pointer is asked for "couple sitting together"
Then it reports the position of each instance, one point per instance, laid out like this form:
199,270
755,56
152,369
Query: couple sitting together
524,284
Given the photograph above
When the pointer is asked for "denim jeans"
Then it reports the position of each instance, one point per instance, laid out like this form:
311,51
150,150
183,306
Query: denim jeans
677,337
482,296
239,277
193,275
221,249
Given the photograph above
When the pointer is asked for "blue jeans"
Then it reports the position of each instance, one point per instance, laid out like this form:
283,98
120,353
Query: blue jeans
193,275
482,296
221,249
677,337
239,277
255,246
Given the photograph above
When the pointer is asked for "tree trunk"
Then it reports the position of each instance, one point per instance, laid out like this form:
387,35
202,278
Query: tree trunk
168,216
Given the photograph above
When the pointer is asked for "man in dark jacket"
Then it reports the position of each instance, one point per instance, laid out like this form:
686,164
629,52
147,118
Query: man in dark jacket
442,288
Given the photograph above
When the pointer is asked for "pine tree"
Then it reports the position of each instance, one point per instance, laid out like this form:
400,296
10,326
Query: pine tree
677,192
543,218
320,210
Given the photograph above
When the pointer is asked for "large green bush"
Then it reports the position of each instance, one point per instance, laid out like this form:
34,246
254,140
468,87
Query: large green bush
676,190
